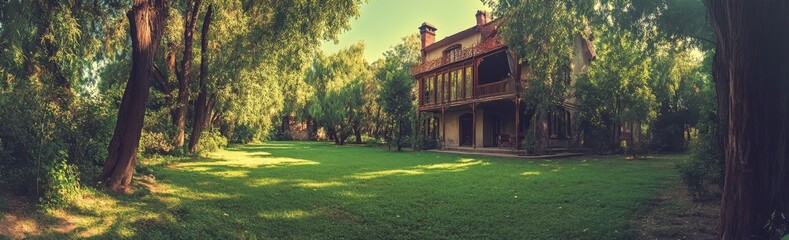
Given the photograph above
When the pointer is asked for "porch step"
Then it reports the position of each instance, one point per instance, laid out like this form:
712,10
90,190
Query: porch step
483,150
560,151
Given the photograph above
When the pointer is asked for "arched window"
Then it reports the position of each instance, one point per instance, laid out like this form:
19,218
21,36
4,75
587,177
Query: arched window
453,53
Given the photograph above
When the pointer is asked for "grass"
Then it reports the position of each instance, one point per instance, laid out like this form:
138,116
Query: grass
308,190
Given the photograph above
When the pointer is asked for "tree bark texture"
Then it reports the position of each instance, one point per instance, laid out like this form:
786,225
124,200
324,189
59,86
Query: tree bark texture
752,78
146,20
203,104
192,8
357,131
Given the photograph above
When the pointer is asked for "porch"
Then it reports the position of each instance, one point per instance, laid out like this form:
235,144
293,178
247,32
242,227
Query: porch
496,126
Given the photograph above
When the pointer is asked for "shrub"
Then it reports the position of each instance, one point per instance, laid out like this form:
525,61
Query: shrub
668,133
154,143
243,134
529,143
94,123
703,171
374,142
430,143
601,140
158,133
60,183
211,141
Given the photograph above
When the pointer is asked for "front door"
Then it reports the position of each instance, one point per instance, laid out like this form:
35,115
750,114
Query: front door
466,127
494,126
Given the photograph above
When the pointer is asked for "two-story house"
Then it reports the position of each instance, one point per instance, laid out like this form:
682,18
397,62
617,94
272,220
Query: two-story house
470,91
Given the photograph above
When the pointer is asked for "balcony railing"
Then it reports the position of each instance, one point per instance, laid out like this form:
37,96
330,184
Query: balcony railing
496,88
483,47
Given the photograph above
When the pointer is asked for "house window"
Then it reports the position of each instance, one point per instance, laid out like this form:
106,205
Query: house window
427,94
469,81
559,124
441,88
452,53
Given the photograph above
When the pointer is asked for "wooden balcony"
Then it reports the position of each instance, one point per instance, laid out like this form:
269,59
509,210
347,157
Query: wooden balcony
503,87
490,90
481,48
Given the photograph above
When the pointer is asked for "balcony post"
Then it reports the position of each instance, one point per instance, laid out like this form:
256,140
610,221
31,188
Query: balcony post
474,125
418,127
443,127
517,123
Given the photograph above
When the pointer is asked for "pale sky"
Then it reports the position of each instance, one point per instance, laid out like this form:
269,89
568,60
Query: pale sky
382,23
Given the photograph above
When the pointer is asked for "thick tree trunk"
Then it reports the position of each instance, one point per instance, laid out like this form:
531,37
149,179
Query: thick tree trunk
753,101
357,132
192,8
399,136
203,104
146,20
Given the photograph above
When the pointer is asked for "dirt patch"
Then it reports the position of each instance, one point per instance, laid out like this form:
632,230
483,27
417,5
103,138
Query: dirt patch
18,220
674,215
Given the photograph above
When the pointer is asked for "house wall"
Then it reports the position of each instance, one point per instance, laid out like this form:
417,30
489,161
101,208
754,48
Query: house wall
452,138
484,137
480,127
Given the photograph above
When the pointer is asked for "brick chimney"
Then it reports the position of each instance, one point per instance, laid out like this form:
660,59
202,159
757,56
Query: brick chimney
482,17
428,34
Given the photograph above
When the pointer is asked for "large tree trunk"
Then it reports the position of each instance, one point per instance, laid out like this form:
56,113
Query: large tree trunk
357,131
146,20
192,8
399,135
203,104
753,88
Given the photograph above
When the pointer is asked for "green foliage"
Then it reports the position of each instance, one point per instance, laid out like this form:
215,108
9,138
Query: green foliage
530,142
212,141
60,183
615,91
338,83
396,93
703,172
543,47
154,143
430,143
678,80
243,134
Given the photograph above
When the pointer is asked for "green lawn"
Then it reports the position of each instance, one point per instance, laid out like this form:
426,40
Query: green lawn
306,190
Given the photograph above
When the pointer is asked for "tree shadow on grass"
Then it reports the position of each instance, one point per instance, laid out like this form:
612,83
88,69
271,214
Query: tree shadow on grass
342,194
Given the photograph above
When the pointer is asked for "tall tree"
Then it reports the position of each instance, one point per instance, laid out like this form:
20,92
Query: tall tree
205,100
146,23
396,95
753,82
616,90
185,72
337,80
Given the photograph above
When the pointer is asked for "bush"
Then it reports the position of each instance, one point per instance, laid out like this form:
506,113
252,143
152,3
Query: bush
703,172
158,133
430,143
94,123
243,134
154,143
211,141
529,143
60,183
601,140
668,133
374,142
